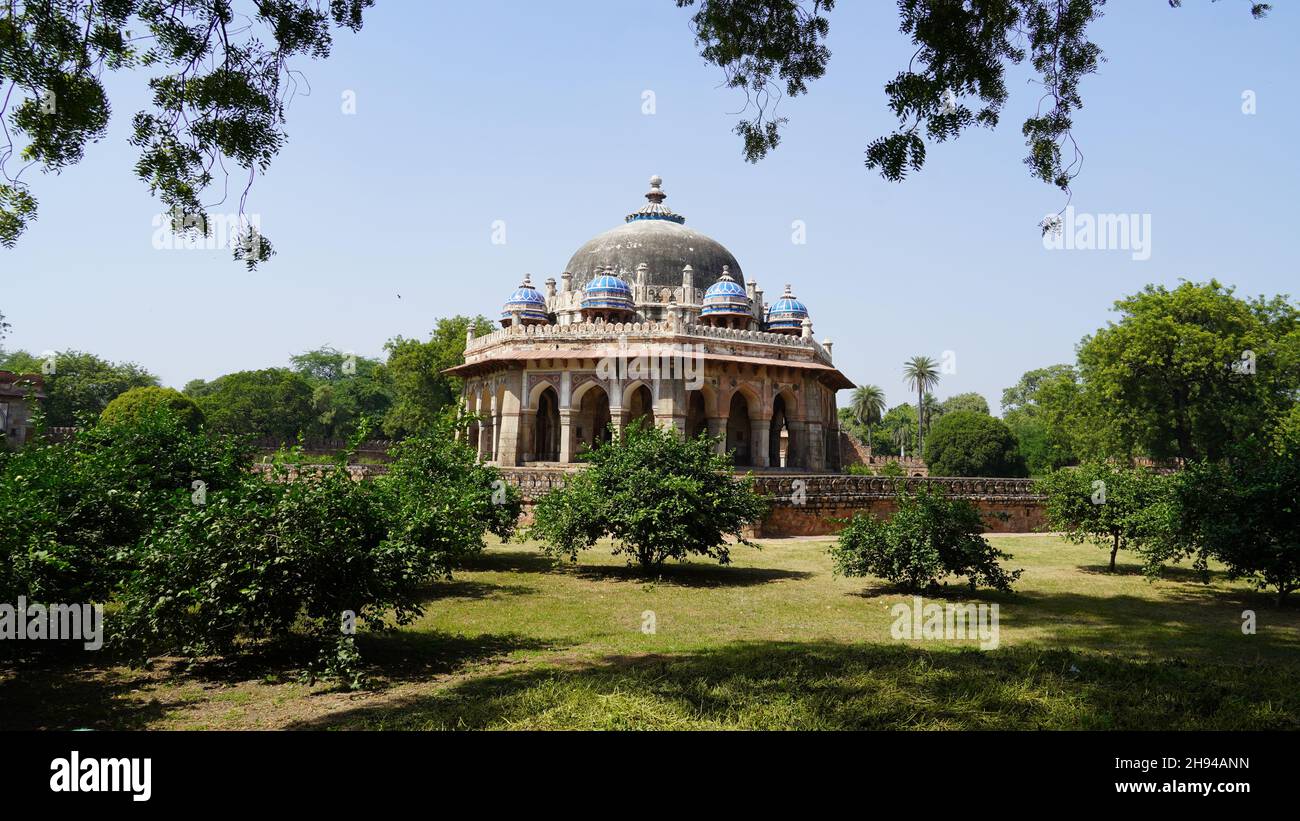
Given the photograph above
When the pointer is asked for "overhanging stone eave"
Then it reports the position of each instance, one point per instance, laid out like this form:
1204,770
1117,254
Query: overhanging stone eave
831,375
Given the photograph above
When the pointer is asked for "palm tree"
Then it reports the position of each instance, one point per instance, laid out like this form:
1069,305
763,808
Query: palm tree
900,437
921,374
868,404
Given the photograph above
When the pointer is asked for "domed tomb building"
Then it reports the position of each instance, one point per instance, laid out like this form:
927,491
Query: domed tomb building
654,321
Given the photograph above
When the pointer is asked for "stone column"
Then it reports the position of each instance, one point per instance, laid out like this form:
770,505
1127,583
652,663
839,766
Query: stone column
816,447
510,427
759,432
568,442
718,430
485,440
797,454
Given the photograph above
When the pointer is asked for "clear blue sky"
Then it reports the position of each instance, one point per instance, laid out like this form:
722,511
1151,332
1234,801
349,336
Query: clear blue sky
531,113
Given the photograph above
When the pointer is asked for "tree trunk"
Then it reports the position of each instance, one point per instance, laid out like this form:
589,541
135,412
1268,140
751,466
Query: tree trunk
869,453
1113,552
920,424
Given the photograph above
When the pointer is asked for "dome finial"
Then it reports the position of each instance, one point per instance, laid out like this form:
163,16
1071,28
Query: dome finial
654,209
656,193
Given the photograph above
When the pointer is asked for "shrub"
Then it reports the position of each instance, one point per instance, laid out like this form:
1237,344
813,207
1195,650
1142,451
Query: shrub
1108,505
658,495
263,557
967,443
1244,512
71,512
267,558
930,537
137,402
443,500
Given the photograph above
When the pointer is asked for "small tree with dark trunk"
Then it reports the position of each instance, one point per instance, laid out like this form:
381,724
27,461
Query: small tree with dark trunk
657,495
1102,503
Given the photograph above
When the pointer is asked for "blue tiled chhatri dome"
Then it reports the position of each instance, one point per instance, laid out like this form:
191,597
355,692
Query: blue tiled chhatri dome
726,298
526,301
787,314
607,294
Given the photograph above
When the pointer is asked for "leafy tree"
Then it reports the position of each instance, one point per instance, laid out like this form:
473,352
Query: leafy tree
220,84
1024,395
421,391
443,500
955,78
898,430
1187,372
971,401
659,497
139,402
1243,511
930,536
263,556
264,559
4,331
968,443
867,405
270,402
71,512
345,389
1043,410
19,362
1103,503
921,373
81,385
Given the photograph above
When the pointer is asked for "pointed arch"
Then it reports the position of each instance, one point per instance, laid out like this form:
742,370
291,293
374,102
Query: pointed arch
739,429
639,403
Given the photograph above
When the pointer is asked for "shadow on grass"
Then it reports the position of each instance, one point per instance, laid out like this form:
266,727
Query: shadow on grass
949,592
65,693
683,574
825,685
1167,573
1189,621
686,574
520,560
472,590
56,695
405,655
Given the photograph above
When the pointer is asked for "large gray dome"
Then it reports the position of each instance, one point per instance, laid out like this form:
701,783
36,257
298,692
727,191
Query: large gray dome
656,236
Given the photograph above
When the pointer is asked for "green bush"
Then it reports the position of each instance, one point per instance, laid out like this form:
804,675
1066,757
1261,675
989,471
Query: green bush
1243,511
72,512
264,557
142,401
1112,506
659,497
967,443
273,556
443,500
930,537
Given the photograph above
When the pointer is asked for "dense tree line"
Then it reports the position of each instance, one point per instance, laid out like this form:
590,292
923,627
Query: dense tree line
1182,375
323,393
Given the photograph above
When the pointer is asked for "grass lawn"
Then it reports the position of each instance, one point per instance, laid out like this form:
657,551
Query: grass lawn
773,641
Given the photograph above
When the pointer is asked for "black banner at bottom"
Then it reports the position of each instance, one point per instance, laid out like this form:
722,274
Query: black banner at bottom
144,772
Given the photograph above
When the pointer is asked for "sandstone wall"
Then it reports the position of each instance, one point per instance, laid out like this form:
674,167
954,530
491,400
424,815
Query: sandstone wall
816,505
